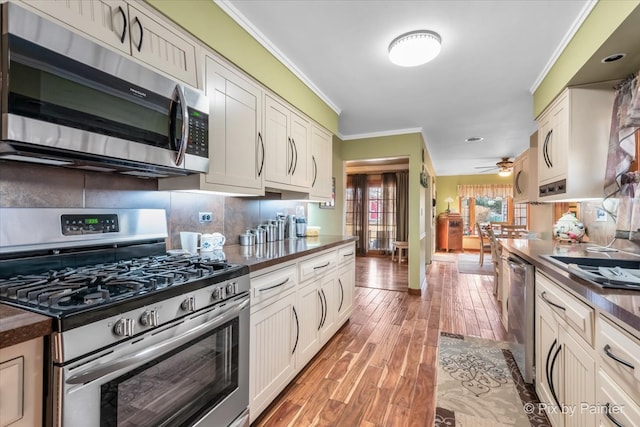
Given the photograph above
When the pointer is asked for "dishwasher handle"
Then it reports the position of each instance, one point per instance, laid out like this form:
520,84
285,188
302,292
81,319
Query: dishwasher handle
517,264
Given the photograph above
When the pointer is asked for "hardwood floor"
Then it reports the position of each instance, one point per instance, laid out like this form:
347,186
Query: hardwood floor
380,368
381,273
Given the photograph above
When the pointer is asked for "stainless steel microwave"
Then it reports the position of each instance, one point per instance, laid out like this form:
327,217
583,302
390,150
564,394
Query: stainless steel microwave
68,101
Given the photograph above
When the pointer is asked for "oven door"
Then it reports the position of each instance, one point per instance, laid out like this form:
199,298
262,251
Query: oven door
193,371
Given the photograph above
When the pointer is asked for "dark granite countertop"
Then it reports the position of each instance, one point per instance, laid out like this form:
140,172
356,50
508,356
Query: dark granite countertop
621,304
268,254
17,325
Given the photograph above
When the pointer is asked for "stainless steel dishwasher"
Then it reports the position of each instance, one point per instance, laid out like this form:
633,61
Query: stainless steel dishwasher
520,308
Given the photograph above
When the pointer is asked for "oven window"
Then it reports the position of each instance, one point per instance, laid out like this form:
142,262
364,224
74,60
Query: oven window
178,387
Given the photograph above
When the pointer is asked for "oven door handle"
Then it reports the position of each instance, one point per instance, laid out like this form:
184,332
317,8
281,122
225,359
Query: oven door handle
150,353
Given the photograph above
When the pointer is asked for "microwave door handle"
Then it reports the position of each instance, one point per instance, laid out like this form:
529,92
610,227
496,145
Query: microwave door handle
184,137
150,353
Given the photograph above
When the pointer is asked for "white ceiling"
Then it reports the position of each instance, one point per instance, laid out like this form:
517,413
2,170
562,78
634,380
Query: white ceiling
494,53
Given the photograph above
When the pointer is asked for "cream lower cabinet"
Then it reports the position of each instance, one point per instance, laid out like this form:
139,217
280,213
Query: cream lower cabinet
565,365
129,29
21,384
295,310
273,328
618,352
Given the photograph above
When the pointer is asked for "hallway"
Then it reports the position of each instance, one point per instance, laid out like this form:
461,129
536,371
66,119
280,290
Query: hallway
380,368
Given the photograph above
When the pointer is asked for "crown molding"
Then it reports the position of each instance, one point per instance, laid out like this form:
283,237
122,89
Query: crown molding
243,21
577,23
380,134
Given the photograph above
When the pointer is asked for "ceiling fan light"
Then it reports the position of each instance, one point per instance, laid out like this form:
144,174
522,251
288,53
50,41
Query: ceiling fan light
414,48
504,172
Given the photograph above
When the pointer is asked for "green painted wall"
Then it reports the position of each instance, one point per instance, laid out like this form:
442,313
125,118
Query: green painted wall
605,17
409,145
206,21
447,186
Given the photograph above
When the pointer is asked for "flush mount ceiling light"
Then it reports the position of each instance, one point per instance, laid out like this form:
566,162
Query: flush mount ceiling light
414,48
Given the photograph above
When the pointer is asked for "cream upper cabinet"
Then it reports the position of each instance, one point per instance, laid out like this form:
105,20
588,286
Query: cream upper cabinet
321,163
287,147
236,146
129,29
525,176
573,139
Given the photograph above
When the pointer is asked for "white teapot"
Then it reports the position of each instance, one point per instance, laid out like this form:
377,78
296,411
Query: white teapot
568,228
211,242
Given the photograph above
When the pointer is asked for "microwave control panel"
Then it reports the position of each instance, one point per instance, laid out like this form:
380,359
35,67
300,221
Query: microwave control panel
89,224
198,133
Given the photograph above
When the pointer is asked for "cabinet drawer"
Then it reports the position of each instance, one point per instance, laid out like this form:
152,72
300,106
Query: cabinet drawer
317,266
617,350
346,254
577,314
275,283
612,400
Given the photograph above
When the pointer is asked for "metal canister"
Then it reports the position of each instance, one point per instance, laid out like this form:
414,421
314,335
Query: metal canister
280,223
261,235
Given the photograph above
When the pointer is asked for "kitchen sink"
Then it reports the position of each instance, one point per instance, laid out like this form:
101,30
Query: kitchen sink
605,272
596,262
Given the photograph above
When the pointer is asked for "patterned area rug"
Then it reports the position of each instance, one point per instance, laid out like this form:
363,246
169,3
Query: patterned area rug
479,385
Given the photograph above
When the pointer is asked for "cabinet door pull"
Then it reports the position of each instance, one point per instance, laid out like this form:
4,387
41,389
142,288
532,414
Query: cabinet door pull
274,286
326,307
547,362
295,150
315,170
295,313
607,351
349,254
290,162
139,47
322,266
542,295
341,295
321,310
262,157
549,154
517,183
607,412
545,149
124,24
551,386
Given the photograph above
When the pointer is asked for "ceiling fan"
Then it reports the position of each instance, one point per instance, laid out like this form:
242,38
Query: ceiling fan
504,167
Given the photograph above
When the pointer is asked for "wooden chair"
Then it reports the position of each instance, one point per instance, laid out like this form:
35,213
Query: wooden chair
513,231
484,244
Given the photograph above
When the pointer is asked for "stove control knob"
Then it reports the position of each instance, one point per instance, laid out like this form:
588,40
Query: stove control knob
189,304
150,318
232,288
218,293
124,327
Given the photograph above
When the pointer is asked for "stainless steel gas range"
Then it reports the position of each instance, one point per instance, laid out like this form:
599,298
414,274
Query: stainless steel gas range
140,338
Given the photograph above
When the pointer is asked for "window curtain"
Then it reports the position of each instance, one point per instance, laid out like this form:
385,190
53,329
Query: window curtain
388,214
485,190
625,121
358,184
402,203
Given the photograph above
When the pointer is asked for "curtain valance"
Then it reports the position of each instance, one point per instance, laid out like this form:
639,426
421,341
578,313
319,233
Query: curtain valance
485,190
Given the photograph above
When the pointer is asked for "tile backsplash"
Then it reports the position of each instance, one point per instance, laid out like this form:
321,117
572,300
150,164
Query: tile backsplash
33,186
603,232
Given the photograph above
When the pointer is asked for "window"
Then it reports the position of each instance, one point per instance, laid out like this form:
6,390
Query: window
485,210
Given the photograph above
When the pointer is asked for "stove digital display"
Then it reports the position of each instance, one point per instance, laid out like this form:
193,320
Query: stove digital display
81,224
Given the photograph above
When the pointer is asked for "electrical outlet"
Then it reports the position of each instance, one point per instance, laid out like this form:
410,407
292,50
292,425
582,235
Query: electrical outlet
204,216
